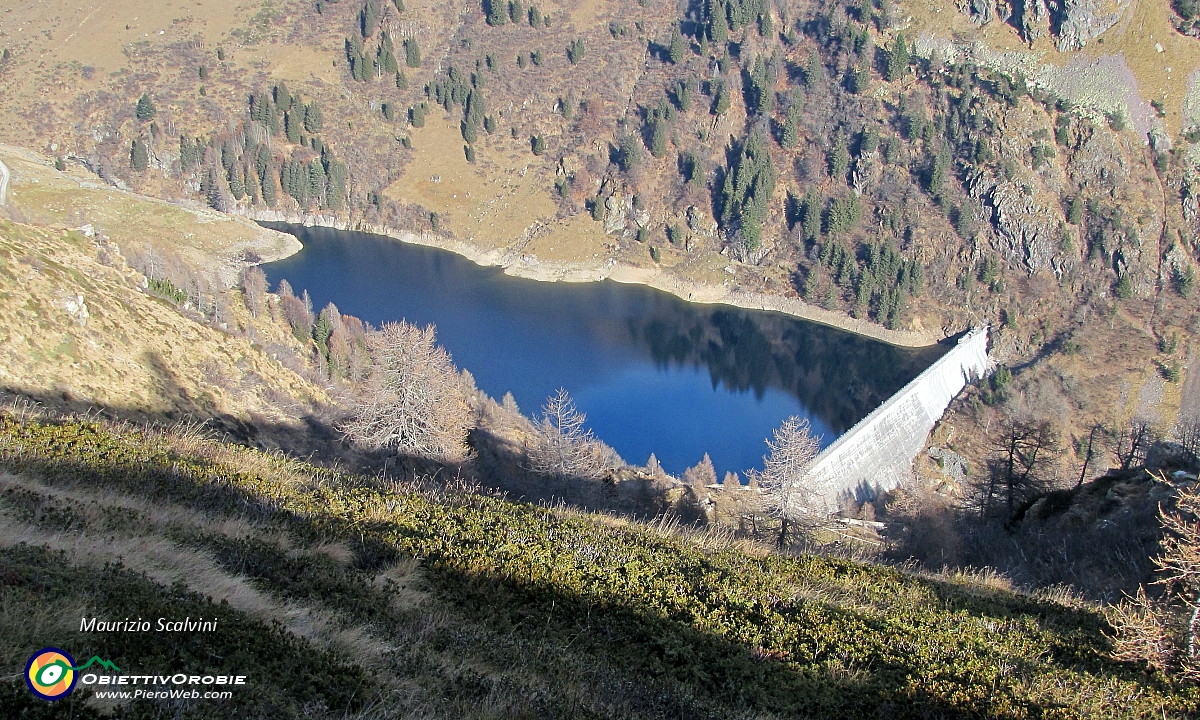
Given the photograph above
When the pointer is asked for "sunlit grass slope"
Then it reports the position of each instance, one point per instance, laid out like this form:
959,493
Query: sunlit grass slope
343,598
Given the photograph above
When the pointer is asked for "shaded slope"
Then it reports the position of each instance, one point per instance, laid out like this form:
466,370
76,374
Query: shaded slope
468,604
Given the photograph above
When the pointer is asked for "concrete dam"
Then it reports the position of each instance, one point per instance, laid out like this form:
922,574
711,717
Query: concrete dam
876,454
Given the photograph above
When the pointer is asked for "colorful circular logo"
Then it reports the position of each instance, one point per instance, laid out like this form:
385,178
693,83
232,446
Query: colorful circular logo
49,675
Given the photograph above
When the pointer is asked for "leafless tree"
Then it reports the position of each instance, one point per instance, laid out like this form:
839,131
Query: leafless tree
1130,447
1021,453
254,287
296,311
654,467
1096,433
701,475
784,477
564,448
1187,433
414,402
1166,632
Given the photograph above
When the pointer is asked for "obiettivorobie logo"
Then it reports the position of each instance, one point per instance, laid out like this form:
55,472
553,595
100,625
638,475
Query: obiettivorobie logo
51,673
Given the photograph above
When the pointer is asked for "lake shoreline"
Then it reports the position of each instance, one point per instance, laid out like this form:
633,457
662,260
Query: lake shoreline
663,279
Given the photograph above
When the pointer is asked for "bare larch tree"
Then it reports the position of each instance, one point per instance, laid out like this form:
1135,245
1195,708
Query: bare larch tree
564,448
1021,455
1165,632
783,478
415,402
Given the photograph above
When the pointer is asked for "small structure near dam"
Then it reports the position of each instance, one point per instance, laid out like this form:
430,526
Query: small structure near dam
876,454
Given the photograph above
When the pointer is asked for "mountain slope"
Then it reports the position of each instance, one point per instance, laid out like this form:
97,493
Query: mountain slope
402,602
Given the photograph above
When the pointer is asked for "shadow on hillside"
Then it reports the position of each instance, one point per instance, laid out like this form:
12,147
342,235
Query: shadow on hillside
502,466
499,466
627,660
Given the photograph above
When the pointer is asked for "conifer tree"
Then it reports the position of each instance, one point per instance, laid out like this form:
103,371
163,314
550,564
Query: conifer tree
939,171
759,93
676,48
312,117
412,53
723,99
812,215
576,51
416,115
145,108
292,126
814,71
839,159
630,152
718,28
658,137
237,187
515,12
497,12
897,60
749,183
139,157
387,54
316,179
283,98
683,94
269,195
790,135
337,174
368,18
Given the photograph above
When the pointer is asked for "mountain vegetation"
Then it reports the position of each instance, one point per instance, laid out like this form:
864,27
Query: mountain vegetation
512,607
919,167
817,145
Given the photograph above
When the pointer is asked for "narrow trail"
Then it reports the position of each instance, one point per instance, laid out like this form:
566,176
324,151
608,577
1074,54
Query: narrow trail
3,183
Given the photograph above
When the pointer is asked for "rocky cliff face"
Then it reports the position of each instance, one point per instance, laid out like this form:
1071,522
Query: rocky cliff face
1080,21
1072,23
1035,19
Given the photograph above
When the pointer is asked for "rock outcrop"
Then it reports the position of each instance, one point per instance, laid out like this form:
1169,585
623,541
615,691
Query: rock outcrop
1028,232
981,12
1035,19
1072,23
1080,21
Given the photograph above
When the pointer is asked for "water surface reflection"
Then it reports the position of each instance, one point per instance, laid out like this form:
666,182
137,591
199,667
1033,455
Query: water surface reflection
654,373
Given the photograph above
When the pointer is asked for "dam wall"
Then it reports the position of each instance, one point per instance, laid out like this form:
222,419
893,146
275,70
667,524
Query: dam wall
876,454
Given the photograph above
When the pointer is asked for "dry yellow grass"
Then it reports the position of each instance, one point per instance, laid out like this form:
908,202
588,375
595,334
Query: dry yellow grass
203,239
1137,37
53,43
498,202
130,351
498,198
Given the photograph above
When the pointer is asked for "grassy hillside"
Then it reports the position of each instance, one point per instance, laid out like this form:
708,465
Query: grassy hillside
83,329
342,597
119,301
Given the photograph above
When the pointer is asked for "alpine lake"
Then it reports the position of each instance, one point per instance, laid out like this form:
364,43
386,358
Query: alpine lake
654,373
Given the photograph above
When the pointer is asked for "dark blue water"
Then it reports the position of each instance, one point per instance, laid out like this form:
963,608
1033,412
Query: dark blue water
654,373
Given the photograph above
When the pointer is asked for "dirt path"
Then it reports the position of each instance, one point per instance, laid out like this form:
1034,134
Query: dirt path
3,183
